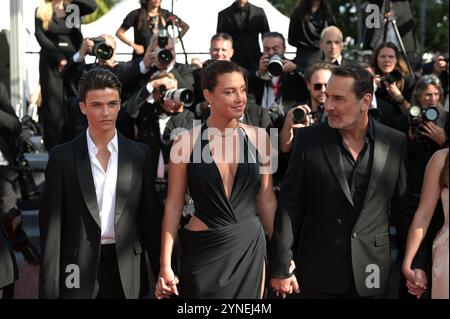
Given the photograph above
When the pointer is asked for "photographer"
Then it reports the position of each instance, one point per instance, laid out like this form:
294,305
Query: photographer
394,80
159,57
103,48
277,85
438,67
426,135
313,111
12,236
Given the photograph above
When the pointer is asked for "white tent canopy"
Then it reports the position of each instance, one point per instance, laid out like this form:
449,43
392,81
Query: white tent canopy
201,15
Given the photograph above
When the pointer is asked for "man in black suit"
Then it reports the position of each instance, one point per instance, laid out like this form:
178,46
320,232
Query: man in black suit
9,130
331,45
344,175
99,211
244,22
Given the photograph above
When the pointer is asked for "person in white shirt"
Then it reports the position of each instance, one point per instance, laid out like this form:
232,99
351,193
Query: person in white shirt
99,211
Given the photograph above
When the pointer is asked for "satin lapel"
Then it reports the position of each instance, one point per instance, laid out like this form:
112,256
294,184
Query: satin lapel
380,152
84,172
332,155
124,177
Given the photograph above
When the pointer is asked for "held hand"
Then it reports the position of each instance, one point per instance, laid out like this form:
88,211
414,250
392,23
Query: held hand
285,285
166,284
416,281
434,132
138,49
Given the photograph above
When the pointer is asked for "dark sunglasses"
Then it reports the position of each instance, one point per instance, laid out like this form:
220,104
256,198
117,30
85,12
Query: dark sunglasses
318,86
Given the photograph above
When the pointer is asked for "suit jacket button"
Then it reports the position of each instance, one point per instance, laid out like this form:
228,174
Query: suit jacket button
354,235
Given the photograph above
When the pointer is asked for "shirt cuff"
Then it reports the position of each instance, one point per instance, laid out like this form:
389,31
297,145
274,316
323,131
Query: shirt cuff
76,58
142,68
150,99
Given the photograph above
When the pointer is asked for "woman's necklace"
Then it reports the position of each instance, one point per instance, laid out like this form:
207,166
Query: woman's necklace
213,130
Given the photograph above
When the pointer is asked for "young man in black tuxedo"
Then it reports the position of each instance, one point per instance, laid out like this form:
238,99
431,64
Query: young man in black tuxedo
99,210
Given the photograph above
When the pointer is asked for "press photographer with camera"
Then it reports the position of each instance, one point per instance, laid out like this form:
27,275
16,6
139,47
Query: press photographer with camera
312,112
424,125
12,174
160,57
103,48
394,81
278,84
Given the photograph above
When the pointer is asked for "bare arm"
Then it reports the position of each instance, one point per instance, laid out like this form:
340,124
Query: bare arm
166,283
266,200
430,195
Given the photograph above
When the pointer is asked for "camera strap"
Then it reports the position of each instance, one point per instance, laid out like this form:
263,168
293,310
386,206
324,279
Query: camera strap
275,86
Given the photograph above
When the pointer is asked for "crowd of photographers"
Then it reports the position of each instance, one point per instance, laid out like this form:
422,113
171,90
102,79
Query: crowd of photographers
160,95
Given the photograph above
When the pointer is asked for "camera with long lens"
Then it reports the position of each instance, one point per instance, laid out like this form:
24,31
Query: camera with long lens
418,115
178,96
163,55
392,77
275,66
101,49
299,116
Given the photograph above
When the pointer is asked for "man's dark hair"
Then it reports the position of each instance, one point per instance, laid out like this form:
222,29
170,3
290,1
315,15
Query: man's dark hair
98,79
217,68
274,35
363,80
316,67
222,36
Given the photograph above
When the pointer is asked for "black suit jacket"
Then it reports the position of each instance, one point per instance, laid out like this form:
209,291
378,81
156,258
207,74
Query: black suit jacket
245,37
70,222
315,223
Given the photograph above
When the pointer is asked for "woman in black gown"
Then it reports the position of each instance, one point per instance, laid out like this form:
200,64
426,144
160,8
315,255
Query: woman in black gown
228,171
59,41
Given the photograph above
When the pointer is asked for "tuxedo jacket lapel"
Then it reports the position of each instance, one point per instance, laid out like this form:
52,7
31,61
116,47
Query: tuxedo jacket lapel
380,152
331,150
84,173
124,177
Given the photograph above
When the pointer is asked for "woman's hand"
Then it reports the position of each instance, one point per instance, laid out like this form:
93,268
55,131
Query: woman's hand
394,91
139,49
416,281
166,284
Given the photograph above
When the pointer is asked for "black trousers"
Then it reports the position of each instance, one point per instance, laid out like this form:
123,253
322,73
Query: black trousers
108,274
7,292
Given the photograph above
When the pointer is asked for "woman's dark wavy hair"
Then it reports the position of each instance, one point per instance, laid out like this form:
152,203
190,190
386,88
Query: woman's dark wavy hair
214,69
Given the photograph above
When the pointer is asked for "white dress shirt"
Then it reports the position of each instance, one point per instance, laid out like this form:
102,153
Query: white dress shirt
163,119
105,187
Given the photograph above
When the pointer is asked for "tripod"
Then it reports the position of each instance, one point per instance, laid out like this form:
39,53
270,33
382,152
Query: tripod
391,24
177,25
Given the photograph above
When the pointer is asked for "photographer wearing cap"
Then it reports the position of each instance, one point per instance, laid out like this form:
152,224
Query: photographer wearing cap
424,125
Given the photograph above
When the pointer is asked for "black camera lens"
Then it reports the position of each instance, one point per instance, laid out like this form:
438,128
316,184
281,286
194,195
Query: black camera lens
431,114
101,49
275,67
299,116
394,76
164,57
